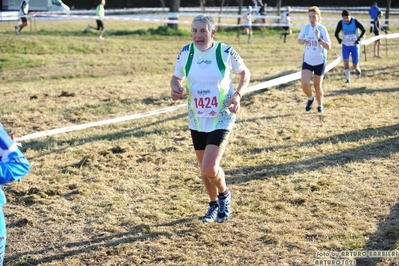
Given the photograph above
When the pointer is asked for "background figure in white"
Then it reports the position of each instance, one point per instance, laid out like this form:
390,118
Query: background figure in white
286,20
248,23
22,13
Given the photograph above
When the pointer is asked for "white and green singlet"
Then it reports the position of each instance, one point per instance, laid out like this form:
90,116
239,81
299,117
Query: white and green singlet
209,84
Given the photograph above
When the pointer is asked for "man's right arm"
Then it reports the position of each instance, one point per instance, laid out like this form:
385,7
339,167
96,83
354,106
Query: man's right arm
176,88
337,30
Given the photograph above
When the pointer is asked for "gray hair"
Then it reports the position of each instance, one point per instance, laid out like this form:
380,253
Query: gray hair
205,19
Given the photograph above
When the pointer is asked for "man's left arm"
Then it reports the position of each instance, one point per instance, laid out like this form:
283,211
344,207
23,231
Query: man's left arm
361,28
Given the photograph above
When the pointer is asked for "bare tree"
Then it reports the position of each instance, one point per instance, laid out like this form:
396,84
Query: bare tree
220,11
174,6
279,10
387,12
202,5
240,3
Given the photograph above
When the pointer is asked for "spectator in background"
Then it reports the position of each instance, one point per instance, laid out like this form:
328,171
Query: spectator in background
262,10
350,42
13,166
22,13
255,6
100,13
377,28
317,42
286,20
248,24
373,12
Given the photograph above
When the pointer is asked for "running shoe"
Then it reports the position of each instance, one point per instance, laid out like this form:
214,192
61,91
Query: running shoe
87,28
309,105
211,214
320,109
224,208
358,72
348,82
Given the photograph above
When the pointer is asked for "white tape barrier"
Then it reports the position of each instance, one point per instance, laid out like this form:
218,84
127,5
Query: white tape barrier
227,9
287,78
104,122
172,18
264,85
375,38
168,19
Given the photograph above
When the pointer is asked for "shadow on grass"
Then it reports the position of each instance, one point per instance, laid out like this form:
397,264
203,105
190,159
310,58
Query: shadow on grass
385,239
387,235
137,233
379,149
362,90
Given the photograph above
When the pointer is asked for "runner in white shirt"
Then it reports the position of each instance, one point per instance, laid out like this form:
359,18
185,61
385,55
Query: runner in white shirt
317,42
206,65
22,13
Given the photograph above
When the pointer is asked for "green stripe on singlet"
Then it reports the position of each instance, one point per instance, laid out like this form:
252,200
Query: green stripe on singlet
189,61
222,69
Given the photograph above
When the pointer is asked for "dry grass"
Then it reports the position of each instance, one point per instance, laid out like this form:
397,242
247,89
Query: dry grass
130,193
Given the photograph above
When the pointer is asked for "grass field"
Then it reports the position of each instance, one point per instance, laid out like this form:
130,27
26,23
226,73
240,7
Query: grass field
304,186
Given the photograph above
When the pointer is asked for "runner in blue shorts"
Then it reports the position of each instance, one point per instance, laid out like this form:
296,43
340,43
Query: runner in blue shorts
350,42
13,166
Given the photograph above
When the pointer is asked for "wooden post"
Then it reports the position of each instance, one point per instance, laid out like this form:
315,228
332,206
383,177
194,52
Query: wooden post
386,46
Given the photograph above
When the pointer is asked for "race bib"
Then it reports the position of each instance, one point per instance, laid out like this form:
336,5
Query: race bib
205,103
349,40
312,46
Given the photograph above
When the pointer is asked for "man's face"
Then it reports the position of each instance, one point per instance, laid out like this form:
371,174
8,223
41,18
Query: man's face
347,19
202,35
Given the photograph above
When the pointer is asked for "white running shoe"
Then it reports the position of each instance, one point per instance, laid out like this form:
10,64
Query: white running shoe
87,28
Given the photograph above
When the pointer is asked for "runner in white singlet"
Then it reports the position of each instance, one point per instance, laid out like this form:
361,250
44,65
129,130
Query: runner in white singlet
23,15
317,41
206,67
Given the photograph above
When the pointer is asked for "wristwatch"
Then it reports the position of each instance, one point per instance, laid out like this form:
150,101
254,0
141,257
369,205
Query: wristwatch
319,40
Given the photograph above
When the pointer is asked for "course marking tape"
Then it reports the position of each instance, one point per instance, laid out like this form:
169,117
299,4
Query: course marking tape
263,85
93,124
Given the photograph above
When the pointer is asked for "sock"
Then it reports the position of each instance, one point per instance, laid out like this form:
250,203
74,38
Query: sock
213,203
225,193
347,74
311,98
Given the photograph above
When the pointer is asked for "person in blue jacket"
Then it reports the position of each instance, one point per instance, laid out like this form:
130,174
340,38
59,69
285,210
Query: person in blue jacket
13,166
373,12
